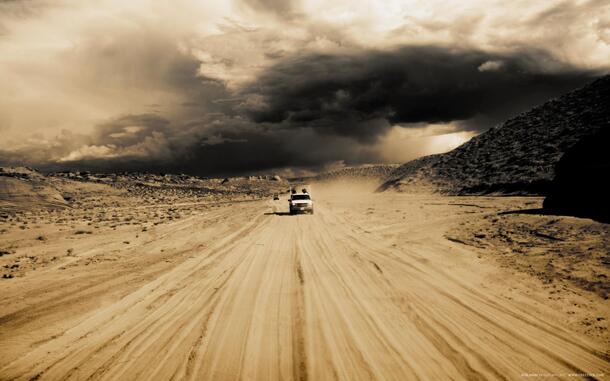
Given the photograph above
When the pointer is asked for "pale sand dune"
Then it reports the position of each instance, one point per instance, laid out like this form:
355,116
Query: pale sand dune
367,288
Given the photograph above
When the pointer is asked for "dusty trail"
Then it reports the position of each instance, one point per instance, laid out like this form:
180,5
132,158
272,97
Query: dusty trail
327,296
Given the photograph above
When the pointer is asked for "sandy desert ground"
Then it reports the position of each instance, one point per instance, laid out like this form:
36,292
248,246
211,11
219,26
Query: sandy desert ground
372,286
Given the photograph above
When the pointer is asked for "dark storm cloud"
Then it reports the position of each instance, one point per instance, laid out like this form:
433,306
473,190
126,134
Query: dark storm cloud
147,142
304,112
361,94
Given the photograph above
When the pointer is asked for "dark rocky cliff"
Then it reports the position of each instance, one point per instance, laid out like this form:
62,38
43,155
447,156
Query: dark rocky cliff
581,186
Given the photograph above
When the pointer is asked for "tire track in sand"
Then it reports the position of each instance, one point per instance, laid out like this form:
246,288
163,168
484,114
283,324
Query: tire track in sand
308,297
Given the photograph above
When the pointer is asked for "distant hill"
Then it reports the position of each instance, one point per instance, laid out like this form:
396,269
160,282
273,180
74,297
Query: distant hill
25,189
518,156
375,172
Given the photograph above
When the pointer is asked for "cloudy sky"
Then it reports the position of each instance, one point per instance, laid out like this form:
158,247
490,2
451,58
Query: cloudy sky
220,87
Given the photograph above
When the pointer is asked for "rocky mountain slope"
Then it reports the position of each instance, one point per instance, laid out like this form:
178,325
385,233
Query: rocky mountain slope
518,156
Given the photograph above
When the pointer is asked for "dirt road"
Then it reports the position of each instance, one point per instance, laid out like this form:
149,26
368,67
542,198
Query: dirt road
360,290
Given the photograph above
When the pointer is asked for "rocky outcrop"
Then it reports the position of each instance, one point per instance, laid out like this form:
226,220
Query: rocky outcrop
20,173
518,156
580,187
